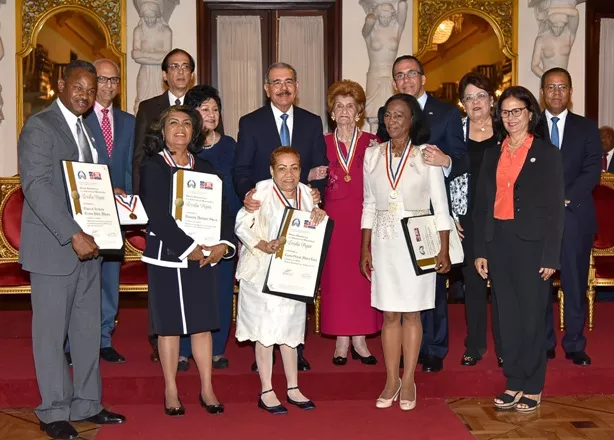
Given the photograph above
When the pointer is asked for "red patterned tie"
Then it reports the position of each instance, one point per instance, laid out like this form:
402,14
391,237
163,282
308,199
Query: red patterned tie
106,130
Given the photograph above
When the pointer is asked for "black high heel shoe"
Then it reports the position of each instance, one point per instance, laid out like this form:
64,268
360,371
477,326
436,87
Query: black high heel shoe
176,411
369,360
302,405
211,409
277,409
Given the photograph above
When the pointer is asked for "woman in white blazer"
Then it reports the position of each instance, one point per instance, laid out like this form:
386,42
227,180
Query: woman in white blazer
266,319
398,184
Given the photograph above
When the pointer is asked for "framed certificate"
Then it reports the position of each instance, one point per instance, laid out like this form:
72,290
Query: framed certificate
294,271
424,244
92,202
197,205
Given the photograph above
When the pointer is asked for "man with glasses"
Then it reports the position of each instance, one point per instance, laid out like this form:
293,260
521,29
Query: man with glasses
280,123
178,74
113,131
578,139
446,149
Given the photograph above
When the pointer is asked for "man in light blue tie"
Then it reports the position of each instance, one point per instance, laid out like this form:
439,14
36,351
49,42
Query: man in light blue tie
580,145
279,123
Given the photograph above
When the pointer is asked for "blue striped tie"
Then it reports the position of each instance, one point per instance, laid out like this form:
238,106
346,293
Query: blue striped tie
284,134
554,136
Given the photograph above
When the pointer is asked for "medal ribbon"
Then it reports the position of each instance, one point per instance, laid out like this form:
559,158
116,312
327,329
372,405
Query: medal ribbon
168,158
284,201
395,177
130,205
346,161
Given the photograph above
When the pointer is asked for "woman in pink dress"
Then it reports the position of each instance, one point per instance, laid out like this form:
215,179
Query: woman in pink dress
346,295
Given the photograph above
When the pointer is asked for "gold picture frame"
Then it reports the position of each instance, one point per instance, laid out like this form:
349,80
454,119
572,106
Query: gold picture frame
31,16
502,15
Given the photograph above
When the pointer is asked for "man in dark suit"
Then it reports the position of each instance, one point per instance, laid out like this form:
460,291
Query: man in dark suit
178,74
447,149
607,143
580,145
62,259
280,123
113,130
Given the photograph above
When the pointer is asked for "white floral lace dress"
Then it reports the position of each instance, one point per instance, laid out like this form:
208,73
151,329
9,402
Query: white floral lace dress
395,287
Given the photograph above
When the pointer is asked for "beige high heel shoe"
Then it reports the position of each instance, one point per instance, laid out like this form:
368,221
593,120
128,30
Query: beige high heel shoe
387,403
408,405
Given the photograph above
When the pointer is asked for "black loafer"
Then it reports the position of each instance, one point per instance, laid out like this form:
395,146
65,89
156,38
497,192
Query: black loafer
340,360
105,417
303,364
368,360
60,430
579,358
432,364
109,354
211,409
221,363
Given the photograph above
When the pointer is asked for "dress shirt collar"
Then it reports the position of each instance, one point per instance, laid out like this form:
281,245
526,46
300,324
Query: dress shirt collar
277,112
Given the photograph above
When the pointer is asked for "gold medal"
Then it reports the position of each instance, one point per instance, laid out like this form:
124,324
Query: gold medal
347,178
394,194
179,202
75,195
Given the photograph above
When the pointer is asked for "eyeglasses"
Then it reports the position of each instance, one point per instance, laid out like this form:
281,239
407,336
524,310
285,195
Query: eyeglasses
282,82
106,79
480,96
176,66
515,112
550,88
400,76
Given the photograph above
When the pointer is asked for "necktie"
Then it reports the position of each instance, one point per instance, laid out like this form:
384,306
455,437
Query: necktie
284,134
554,136
106,131
177,101
604,162
84,146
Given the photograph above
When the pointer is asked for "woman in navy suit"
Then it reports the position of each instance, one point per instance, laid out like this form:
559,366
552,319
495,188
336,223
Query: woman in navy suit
219,150
183,284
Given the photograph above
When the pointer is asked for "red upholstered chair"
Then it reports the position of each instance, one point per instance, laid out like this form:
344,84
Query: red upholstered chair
133,275
12,278
601,271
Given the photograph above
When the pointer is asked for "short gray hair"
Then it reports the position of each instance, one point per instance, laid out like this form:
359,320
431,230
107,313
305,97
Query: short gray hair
279,66
106,60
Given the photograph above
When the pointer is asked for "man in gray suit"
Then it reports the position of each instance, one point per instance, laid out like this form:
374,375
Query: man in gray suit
62,259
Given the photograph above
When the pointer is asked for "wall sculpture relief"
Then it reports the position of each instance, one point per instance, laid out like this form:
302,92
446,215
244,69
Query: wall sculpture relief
558,22
153,39
382,31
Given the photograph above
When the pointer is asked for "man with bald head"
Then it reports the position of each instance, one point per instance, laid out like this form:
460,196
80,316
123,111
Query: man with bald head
607,143
113,130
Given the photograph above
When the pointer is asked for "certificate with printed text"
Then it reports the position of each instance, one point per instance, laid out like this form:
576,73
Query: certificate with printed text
197,205
92,202
424,244
295,270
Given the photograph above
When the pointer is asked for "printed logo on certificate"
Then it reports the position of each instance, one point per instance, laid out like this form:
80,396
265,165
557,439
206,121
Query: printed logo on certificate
295,269
197,205
423,241
92,202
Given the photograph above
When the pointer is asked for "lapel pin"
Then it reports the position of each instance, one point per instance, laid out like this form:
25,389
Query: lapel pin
532,159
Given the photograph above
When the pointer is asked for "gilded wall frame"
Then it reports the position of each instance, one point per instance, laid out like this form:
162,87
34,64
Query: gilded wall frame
502,15
31,16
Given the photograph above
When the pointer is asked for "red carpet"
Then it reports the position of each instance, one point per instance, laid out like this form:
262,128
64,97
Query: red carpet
354,419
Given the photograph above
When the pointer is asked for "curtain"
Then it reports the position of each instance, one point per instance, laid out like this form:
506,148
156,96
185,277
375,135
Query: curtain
301,44
606,72
239,64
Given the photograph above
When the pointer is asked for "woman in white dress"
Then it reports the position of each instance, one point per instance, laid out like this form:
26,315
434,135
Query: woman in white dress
266,319
398,184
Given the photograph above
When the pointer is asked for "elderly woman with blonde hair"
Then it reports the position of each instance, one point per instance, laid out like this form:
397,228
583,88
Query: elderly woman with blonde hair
266,319
346,295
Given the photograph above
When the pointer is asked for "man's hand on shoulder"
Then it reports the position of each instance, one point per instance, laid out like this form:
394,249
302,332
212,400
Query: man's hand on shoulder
84,245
